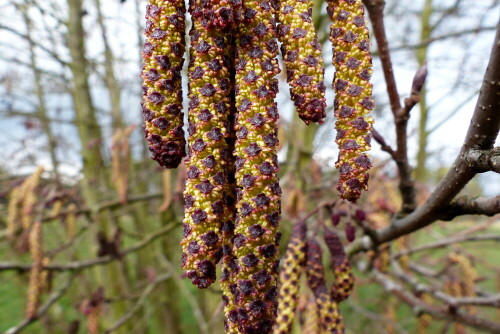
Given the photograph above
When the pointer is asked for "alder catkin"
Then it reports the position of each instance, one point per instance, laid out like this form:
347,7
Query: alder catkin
311,319
162,90
424,320
468,276
353,102
344,279
291,270
329,314
35,285
302,56
13,212
254,260
206,207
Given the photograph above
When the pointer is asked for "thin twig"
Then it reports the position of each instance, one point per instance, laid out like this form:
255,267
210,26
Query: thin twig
140,302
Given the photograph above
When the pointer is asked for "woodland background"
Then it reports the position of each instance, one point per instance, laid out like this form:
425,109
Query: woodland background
69,102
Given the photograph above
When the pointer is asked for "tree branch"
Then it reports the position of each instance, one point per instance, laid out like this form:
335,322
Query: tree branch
481,135
401,116
484,160
437,312
80,265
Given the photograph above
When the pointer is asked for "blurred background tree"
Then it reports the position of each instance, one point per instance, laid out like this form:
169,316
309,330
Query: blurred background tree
106,221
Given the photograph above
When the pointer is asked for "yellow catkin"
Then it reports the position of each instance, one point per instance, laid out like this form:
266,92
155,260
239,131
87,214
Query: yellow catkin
56,208
468,276
30,197
302,56
390,314
120,156
329,314
291,270
401,245
453,287
344,279
424,320
35,287
162,89
353,101
311,319
13,212
71,220
330,317
45,276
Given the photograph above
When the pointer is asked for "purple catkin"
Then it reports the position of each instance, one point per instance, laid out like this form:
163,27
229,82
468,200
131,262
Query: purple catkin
353,102
302,57
162,90
210,97
250,296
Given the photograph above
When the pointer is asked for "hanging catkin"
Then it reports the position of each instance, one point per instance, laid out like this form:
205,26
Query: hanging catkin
206,207
162,91
344,279
329,314
301,53
353,102
291,270
251,306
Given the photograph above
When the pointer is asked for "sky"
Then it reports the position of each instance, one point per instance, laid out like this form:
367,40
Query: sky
456,67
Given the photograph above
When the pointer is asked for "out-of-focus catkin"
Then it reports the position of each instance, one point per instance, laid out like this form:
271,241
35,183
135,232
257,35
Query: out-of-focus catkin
206,207
162,91
35,281
467,274
353,102
329,314
291,270
424,320
254,260
311,319
13,212
30,197
344,279
302,55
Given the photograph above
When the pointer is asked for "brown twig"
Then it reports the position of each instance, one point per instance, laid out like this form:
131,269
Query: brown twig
481,135
484,160
449,241
437,312
80,265
401,115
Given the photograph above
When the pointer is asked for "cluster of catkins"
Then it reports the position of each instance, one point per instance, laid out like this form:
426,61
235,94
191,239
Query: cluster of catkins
232,194
305,255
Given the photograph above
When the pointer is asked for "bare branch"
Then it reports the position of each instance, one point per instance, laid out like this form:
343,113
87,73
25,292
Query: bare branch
449,241
80,265
484,160
437,312
401,116
481,135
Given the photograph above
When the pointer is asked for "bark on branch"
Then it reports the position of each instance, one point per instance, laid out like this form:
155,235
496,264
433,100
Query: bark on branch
481,135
